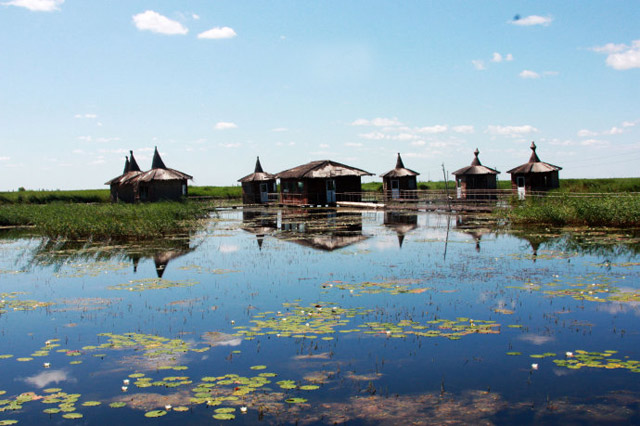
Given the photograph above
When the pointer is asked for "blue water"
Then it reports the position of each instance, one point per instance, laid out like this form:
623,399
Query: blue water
428,267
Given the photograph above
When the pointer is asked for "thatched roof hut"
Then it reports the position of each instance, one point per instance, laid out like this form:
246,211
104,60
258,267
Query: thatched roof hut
535,175
257,186
121,188
161,182
400,182
318,183
476,181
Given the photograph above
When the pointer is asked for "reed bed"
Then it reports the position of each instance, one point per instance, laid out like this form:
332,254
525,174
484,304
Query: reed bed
104,221
605,210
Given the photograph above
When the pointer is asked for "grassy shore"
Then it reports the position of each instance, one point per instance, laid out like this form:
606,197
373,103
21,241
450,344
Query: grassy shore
613,210
104,221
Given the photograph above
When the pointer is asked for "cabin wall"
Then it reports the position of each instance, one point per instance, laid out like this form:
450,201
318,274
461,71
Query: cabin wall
251,191
314,191
161,190
536,181
471,186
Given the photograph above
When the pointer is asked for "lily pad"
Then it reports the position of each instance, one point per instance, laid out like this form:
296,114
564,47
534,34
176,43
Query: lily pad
155,413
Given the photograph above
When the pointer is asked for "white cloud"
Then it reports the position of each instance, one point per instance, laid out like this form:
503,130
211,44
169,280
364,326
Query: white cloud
594,142
324,146
353,144
532,20
418,143
620,56
529,74
512,131
584,133
438,128
230,145
479,64
91,116
378,122
509,57
224,125
47,377
195,17
5,158
228,249
372,135
217,33
614,131
629,123
551,73
465,129
404,137
154,22
37,5
496,57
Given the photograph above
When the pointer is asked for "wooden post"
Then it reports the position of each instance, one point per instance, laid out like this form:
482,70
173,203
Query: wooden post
446,187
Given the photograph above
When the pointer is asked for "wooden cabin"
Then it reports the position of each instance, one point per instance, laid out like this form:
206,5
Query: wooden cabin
534,175
161,182
320,183
476,181
400,183
257,186
120,187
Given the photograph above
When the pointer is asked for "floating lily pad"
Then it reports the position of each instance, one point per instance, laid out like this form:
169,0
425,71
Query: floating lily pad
72,416
295,400
155,413
118,404
224,416
91,403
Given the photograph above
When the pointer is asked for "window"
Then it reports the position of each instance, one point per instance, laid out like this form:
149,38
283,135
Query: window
300,186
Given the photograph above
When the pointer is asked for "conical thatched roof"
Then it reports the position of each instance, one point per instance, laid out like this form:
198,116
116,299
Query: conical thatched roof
130,171
321,169
534,165
476,168
399,171
160,172
258,175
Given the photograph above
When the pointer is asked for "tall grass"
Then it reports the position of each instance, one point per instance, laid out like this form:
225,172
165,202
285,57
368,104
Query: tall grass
216,192
104,221
44,197
615,211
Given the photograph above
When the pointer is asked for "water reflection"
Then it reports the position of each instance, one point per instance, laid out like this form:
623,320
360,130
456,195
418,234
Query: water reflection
46,378
475,227
401,222
260,222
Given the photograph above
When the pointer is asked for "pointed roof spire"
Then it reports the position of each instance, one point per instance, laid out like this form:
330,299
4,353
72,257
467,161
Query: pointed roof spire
534,157
399,163
476,160
157,162
126,165
258,166
133,164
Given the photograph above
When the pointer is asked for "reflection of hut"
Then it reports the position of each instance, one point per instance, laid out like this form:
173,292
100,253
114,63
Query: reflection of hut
476,181
327,231
400,183
260,223
161,182
401,222
121,189
257,186
471,226
534,175
320,183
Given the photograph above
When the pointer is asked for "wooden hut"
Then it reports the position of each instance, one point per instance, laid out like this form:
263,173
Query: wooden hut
257,186
534,175
320,183
400,183
121,188
160,183
476,181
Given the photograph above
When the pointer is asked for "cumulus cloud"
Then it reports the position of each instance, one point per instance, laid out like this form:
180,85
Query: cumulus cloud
513,131
217,33
418,143
479,64
584,133
377,122
157,23
532,20
614,131
438,128
620,56
225,125
628,123
372,136
465,129
529,74
37,5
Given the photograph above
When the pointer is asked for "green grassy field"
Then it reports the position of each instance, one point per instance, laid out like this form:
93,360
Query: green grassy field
104,221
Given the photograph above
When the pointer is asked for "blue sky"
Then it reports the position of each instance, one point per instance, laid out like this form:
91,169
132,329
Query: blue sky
213,84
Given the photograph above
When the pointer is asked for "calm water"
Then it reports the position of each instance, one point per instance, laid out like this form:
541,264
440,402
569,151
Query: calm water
289,317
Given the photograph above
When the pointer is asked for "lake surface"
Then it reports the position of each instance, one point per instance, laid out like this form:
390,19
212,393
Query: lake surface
318,317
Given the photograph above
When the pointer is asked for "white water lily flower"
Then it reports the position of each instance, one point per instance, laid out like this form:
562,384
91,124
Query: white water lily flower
46,365
534,366
243,410
167,407
125,381
569,354
124,388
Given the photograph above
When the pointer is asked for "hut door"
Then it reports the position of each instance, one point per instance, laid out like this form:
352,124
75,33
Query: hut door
264,193
331,191
395,189
521,187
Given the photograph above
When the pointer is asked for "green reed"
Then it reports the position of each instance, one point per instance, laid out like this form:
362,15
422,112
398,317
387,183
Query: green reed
605,210
104,221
